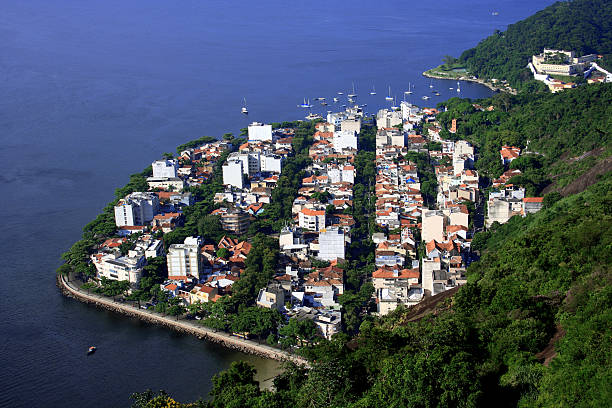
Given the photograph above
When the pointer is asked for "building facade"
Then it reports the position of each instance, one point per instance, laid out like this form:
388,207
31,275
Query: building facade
184,259
137,208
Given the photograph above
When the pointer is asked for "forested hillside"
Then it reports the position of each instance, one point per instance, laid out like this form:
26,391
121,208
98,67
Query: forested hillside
583,26
567,133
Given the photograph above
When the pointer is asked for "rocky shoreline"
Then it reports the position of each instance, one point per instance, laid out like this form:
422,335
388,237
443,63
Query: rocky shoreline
182,326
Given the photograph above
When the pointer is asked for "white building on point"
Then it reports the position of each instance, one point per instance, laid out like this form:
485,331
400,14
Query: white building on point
120,268
260,132
165,168
137,208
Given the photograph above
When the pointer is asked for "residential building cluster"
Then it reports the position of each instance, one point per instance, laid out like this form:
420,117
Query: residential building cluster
251,173
399,206
320,229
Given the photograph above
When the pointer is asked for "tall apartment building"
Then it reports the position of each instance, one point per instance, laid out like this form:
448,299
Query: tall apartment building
236,221
137,208
232,173
184,260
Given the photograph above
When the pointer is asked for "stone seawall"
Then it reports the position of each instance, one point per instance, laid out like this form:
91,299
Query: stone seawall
188,327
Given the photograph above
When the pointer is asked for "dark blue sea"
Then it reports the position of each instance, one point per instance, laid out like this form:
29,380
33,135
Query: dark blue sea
92,91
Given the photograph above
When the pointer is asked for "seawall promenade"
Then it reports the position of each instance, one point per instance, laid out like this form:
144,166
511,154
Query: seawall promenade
190,327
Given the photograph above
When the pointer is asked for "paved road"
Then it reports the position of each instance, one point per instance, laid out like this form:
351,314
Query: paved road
194,328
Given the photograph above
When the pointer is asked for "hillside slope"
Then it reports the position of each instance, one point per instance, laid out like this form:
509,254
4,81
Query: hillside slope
567,133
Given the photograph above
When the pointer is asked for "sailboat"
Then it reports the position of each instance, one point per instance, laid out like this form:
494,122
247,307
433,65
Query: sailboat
389,97
458,87
353,94
244,107
431,84
409,91
305,104
394,107
373,91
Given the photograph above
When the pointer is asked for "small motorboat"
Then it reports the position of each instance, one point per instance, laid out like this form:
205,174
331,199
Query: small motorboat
91,350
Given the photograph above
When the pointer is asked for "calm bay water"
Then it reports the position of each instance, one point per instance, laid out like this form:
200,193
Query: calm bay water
93,91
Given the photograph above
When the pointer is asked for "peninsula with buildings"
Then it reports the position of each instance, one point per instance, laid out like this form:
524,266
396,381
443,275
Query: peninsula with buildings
408,243
313,242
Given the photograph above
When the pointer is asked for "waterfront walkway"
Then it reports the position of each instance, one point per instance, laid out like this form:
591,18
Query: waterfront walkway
191,327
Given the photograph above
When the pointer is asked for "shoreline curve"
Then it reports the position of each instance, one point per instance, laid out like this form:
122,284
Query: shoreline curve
201,332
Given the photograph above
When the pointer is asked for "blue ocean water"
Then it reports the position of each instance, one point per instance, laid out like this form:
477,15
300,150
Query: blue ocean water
93,91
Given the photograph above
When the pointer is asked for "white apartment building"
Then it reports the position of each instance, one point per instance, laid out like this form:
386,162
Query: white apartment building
410,111
184,259
312,220
343,140
339,174
387,118
165,168
463,147
271,163
232,173
137,208
121,268
331,244
260,132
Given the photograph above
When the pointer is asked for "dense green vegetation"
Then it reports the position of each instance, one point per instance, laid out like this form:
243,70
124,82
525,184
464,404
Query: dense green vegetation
583,26
555,128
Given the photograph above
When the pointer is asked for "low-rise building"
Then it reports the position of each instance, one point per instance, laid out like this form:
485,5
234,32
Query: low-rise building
312,220
331,244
